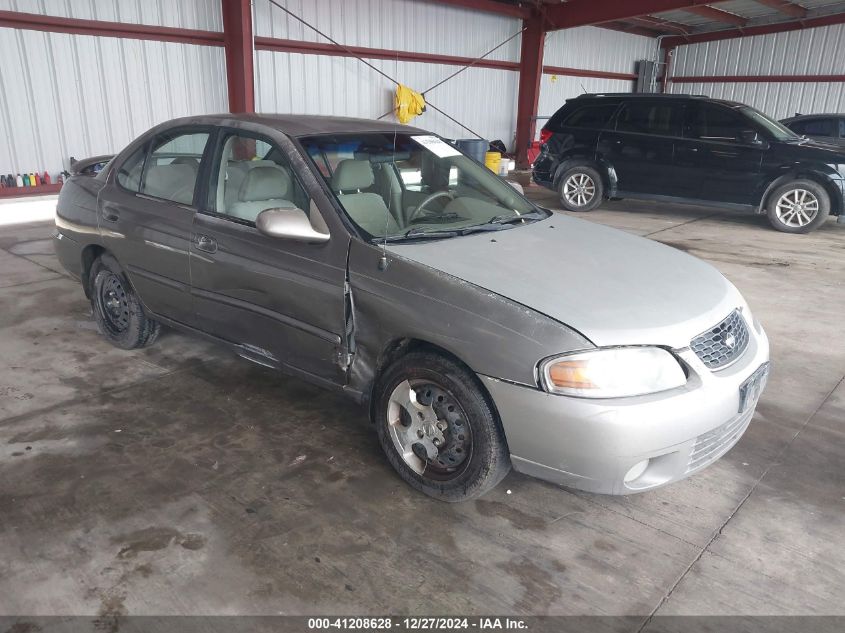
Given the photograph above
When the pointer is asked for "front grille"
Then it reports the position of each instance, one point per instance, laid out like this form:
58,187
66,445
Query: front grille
723,343
712,445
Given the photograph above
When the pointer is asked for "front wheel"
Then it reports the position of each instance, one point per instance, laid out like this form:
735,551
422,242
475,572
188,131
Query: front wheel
437,428
117,309
798,207
581,189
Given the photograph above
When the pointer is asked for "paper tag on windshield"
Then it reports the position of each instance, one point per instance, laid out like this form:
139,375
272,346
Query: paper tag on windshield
434,145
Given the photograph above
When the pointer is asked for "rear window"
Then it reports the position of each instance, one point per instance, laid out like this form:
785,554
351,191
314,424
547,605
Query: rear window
592,116
582,115
649,117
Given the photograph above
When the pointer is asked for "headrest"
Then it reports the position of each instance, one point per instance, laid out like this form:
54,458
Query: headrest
163,181
264,183
352,175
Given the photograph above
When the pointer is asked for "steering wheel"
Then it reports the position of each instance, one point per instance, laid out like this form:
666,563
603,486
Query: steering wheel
428,200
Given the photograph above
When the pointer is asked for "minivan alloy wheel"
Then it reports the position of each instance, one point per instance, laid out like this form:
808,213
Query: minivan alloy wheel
429,429
797,208
579,189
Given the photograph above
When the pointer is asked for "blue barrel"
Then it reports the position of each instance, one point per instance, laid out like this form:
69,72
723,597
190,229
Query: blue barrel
474,147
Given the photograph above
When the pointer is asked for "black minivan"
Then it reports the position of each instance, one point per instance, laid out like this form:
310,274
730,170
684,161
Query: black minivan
690,149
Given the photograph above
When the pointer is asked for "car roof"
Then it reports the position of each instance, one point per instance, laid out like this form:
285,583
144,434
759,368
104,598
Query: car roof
659,95
821,115
301,124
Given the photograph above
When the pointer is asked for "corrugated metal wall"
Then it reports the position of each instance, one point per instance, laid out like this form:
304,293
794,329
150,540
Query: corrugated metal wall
818,51
188,14
481,98
73,95
63,95
589,48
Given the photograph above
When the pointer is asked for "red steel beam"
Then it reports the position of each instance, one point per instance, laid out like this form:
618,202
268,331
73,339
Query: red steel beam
530,71
580,72
320,48
237,36
762,29
586,12
75,26
633,29
489,6
718,15
659,23
759,79
784,6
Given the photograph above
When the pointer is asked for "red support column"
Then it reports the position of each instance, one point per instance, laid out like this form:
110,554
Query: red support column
237,37
668,54
530,72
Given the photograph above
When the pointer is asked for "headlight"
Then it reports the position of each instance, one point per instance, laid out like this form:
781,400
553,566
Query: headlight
613,373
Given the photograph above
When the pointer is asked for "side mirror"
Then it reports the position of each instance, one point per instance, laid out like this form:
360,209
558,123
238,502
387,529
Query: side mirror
750,137
291,224
516,186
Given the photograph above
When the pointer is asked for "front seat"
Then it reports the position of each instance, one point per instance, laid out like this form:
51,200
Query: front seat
262,188
171,182
367,210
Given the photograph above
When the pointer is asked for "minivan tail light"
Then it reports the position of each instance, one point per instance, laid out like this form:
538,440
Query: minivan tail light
545,135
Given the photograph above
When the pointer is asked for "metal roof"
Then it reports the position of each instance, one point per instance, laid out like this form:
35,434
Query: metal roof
682,21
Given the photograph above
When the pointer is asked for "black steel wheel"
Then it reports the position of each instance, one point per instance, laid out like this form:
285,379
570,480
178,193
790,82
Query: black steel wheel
117,310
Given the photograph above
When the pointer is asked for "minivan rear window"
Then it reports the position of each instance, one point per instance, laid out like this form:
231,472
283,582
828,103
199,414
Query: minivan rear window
590,116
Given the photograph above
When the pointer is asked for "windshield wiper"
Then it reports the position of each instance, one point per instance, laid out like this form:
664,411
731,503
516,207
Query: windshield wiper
511,218
415,233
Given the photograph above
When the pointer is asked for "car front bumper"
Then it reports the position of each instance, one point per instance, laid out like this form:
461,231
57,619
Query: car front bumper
592,444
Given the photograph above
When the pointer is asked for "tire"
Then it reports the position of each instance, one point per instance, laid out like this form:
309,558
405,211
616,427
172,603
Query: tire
472,457
580,188
117,310
799,206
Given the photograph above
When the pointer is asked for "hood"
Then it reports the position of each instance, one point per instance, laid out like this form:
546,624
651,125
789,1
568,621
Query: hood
612,287
810,149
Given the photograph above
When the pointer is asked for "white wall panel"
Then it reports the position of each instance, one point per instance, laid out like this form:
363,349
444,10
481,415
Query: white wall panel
817,51
481,98
72,95
187,14
593,48
407,25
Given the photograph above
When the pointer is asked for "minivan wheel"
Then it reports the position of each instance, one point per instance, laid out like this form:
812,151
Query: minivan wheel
798,207
581,189
438,429
118,312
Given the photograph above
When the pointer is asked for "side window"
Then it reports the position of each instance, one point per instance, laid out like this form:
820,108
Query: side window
171,168
817,127
841,128
713,123
649,117
130,171
591,116
254,175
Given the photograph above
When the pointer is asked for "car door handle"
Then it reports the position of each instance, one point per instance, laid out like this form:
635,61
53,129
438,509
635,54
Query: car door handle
110,215
206,243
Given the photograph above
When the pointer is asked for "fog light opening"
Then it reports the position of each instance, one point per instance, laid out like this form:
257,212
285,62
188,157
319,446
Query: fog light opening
635,471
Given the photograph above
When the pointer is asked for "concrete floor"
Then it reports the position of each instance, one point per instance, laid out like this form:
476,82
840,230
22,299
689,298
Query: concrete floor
182,480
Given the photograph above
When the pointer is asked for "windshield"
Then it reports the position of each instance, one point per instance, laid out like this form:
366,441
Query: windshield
778,130
419,187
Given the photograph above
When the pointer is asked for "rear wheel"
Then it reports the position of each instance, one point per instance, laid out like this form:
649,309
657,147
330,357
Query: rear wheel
581,189
800,206
118,312
437,428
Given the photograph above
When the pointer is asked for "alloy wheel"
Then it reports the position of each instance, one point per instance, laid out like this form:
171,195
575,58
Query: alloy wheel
579,190
797,208
429,429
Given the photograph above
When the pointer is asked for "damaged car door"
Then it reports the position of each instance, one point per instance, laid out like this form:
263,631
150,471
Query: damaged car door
280,300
